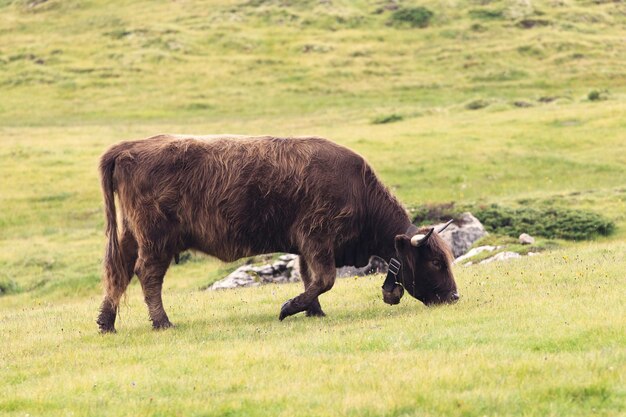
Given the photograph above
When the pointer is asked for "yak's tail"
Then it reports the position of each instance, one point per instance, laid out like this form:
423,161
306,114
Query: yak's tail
115,278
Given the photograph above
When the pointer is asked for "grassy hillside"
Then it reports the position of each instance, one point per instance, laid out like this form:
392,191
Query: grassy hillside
92,61
518,103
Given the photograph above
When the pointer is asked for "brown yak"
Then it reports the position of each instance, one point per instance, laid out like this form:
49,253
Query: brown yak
237,196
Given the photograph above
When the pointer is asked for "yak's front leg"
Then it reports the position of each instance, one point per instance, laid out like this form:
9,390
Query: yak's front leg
315,309
322,270
151,270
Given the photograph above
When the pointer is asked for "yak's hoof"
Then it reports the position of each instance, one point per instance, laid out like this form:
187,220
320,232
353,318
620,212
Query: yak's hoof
107,330
315,313
106,322
286,310
162,325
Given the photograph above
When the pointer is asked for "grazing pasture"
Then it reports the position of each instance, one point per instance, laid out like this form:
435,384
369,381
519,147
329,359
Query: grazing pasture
499,102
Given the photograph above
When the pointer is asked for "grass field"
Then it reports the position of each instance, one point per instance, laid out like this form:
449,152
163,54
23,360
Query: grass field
475,108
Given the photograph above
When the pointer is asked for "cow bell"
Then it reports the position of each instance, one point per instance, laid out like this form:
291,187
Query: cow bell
393,297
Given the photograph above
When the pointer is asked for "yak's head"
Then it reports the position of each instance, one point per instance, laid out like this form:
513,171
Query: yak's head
426,271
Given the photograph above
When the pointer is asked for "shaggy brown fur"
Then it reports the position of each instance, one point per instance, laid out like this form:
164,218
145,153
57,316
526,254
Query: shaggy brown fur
232,197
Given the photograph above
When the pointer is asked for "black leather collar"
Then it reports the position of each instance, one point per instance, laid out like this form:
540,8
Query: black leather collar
395,265
393,270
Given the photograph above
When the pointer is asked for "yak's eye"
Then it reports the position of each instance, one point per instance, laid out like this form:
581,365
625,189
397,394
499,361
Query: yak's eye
436,263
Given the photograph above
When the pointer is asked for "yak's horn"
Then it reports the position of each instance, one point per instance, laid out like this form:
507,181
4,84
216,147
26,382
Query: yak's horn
445,226
419,240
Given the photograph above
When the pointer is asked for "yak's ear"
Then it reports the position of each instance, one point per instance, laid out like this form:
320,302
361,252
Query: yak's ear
402,243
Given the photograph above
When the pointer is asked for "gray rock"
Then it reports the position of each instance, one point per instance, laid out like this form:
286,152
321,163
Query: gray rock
502,256
279,266
287,257
236,279
279,279
287,269
294,270
526,239
265,270
350,271
251,276
246,268
474,252
461,234
375,266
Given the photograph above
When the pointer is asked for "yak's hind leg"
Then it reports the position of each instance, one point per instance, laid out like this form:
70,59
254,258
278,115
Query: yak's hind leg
315,309
150,270
322,266
110,304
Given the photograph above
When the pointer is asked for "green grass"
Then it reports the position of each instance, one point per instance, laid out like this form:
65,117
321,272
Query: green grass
537,336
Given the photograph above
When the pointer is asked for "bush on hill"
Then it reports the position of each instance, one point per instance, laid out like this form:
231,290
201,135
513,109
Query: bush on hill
486,14
553,223
549,222
8,286
595,95
417,17
477,104
389,118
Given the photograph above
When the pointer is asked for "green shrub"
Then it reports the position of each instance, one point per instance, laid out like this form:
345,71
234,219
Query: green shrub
8,286
477,27
553,223
389,118
531,23
477,104
417,17
119,33
486,14
595,95
549,222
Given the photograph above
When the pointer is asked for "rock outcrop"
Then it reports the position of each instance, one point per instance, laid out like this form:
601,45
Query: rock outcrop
462,234
286,269
502,256
474,252
526,239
